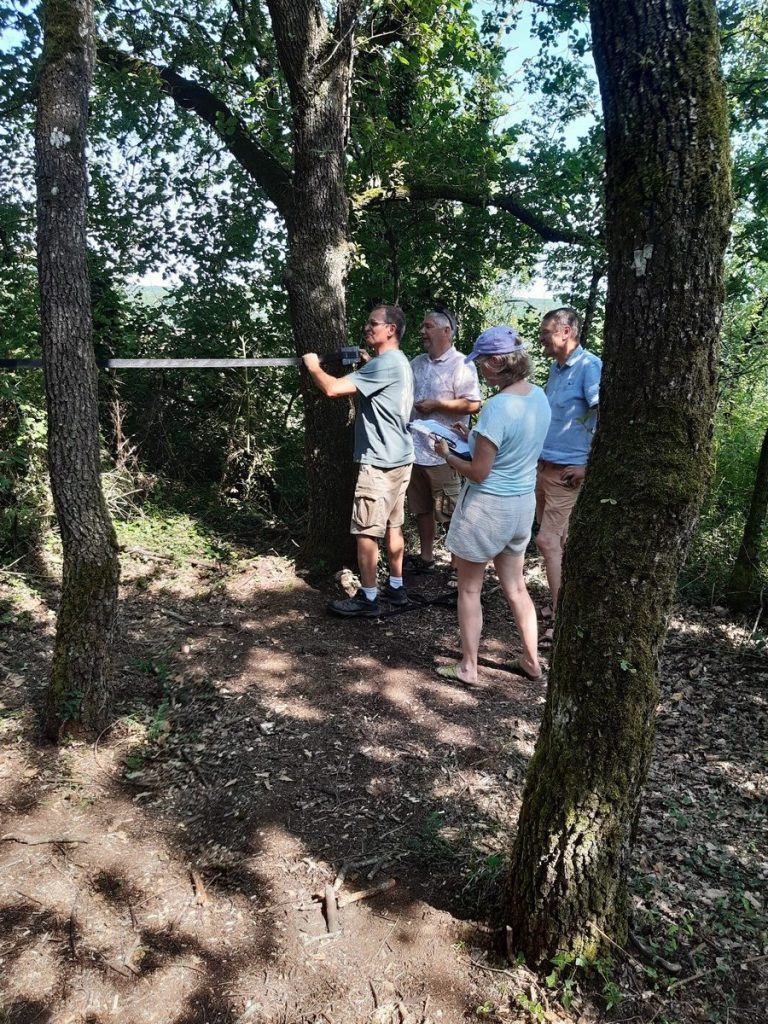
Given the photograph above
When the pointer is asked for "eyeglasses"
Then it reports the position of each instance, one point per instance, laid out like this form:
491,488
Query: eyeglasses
374,323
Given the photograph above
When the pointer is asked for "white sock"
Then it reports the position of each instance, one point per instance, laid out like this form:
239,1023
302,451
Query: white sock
395,582
371,592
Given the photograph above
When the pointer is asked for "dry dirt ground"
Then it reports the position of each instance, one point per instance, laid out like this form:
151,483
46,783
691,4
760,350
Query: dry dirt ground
262,751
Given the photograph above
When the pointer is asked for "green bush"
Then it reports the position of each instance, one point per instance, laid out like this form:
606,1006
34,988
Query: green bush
24,498
741,422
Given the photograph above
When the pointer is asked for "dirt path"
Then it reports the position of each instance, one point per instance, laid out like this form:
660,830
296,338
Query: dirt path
262,750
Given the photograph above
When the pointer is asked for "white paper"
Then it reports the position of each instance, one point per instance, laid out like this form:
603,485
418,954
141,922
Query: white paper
455,443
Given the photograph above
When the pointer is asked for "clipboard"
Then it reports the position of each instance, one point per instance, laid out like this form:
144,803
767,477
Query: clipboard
433,428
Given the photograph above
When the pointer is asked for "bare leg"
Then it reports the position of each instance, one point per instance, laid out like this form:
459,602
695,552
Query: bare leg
425,523
470,616
395,550
509,569
367,560
552,552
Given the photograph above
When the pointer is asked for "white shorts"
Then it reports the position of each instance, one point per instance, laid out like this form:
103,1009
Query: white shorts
486,525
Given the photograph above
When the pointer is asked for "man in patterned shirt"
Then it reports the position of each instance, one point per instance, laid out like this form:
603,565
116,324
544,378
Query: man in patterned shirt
446,389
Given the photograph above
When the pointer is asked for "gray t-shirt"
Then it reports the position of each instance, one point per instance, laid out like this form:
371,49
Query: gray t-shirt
384,399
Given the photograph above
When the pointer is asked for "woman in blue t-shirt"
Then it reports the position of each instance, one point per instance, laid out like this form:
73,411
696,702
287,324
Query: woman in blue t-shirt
494,514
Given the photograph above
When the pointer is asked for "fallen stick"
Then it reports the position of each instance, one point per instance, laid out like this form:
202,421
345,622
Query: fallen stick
175,615
201,896
331,908
364,894
710,970
148,554
320,938
354,864
38,842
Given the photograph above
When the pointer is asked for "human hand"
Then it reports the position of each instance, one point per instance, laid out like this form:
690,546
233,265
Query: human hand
311,361
426,406
441,447
461,430
364,356
572,476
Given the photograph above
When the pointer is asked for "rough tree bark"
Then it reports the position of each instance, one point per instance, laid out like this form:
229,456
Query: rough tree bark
668,209
78,690
744,591
317,63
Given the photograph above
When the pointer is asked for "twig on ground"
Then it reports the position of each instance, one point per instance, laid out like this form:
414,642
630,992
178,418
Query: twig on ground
654,957
39,842
385,940
710,970
72,927
136,550
364,894
635,962
171,614
331,909
494,970
201,896
321,938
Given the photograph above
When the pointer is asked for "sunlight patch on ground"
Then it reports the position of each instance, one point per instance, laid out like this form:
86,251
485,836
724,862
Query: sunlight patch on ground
300,710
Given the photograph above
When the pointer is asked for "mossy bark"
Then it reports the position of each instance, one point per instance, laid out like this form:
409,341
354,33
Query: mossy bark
744,586
667,213
79,689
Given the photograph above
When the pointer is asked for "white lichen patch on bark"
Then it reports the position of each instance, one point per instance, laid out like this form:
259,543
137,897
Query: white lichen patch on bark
640,259
59,139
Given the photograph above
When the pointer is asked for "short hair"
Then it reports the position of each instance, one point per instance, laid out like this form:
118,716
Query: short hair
393,315
565,316
509,367
443,318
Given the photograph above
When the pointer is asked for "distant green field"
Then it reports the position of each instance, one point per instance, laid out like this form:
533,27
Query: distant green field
150,294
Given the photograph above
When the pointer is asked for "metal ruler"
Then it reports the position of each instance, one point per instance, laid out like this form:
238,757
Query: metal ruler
344,357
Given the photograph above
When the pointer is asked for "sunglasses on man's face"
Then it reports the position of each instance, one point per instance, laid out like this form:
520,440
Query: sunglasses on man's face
373,323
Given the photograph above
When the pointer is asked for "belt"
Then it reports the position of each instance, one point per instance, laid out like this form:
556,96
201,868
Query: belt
555,465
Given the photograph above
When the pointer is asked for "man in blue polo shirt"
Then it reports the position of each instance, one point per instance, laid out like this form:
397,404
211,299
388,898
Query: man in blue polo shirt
572,390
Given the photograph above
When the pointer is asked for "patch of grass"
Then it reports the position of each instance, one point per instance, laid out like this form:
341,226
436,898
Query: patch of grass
134,760
429,844
10,615
173,534
150,725
8,714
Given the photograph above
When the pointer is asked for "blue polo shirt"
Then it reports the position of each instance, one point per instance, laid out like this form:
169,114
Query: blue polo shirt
572,390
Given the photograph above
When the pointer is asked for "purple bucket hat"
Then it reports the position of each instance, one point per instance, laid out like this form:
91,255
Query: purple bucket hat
496,341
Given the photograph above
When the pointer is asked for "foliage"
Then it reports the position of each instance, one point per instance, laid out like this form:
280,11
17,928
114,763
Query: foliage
23,495
742,419
437,97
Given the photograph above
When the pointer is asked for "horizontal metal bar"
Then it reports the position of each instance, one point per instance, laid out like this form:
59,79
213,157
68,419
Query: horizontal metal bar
160,364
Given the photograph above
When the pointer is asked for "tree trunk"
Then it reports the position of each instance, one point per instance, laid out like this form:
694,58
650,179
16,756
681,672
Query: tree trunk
78,690
744,590
317,64
668,208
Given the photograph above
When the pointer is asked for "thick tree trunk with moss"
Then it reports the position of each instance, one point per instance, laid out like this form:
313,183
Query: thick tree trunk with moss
317,63
668,207
744,587
79,691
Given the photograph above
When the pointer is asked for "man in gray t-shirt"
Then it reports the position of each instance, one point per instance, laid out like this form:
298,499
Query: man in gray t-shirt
384,450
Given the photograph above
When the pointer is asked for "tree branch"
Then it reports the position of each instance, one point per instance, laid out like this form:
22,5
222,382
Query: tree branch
419,191
257,161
